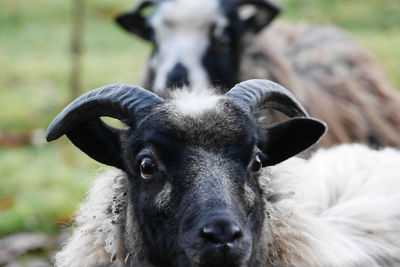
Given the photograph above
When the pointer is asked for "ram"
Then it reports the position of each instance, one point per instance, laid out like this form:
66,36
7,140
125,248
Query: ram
203,182
222,42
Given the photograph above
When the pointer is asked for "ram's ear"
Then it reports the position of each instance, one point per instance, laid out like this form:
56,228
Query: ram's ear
256,14
289,138
136,21
99,141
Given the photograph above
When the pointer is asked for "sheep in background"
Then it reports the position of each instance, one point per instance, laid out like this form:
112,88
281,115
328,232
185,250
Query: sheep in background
220,42
334,76
200,184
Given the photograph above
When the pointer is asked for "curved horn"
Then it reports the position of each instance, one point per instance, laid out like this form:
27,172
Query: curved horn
260,94
119,101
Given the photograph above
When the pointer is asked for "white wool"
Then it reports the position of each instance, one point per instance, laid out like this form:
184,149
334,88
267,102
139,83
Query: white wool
346,202
95,240
343,209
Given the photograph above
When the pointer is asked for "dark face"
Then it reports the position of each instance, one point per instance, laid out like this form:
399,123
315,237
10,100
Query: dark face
197,43
193,161
196,191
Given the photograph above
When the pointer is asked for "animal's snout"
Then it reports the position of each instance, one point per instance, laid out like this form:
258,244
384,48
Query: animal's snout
178,76
221,241
221,231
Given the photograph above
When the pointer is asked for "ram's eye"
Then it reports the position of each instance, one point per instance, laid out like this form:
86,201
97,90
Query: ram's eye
148,168
256,165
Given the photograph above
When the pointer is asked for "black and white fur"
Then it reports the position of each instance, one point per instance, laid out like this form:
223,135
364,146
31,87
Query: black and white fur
197,42
205,199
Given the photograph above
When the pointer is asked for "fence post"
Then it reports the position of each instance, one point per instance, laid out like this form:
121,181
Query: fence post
77,15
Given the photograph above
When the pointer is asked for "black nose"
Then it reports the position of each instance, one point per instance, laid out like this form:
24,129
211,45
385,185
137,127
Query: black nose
221,231
178,76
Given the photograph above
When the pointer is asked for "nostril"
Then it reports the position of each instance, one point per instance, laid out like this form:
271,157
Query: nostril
221,232
236,232
209,233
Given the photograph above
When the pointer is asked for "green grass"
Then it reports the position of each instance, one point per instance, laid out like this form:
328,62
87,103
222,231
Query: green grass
40,186
35,61
385,46
354,15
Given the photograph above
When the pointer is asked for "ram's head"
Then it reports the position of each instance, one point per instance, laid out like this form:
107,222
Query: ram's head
196,42
194,162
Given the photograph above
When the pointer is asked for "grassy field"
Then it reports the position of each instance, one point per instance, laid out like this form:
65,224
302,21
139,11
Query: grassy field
41,185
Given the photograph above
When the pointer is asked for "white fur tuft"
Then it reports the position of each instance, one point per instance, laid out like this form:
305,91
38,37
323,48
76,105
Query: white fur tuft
194,102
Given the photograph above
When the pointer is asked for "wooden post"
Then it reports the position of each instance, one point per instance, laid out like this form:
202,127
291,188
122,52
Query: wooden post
77,15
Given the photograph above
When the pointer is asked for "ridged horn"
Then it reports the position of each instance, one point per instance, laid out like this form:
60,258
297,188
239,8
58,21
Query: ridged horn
118,101
261,94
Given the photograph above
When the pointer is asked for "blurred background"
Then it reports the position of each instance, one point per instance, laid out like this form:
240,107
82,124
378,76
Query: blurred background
43,43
